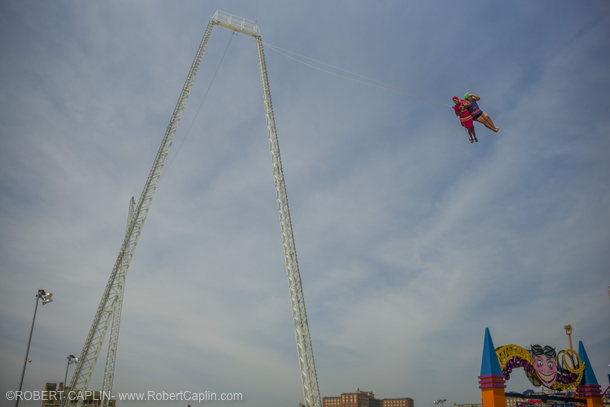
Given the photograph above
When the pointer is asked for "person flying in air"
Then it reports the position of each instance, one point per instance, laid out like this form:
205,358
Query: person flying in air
461,110
478,114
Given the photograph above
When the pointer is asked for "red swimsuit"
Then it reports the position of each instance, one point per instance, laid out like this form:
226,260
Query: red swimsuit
465,116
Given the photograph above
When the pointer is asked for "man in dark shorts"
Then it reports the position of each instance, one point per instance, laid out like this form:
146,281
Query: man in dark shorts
478,114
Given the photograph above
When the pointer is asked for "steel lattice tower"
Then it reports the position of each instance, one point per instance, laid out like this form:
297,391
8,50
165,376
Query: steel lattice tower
110,306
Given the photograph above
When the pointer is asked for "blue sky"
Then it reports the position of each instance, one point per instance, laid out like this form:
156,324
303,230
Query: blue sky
411,241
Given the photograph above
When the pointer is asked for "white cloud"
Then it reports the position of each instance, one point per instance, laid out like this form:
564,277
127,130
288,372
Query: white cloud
411,241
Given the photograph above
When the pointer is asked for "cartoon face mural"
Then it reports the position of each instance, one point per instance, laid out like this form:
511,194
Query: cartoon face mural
543,366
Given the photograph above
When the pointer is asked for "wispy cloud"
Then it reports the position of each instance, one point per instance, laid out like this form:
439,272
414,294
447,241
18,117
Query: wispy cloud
410,240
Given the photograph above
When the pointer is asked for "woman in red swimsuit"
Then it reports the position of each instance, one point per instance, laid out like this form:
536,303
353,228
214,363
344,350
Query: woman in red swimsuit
461,110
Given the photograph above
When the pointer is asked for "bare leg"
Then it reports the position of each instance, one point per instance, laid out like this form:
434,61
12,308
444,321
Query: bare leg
491,123
487,123
472,134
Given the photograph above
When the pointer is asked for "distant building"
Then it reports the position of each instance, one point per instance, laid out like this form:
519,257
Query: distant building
53,394
364,399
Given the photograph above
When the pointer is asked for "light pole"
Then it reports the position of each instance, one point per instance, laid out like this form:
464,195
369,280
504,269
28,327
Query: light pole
71,359
46,298
441,402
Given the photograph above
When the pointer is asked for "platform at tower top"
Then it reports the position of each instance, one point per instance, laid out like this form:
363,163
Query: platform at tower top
235,23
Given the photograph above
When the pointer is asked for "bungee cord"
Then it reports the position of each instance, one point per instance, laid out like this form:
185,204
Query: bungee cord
365,81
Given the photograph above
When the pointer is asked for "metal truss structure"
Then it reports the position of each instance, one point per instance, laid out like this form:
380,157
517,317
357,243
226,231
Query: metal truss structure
109,310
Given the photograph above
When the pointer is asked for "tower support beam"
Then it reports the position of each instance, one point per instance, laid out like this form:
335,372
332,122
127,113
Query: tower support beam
309,379
111,303
109,310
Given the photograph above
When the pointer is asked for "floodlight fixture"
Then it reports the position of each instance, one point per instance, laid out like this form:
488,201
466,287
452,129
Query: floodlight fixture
71,359
44,296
